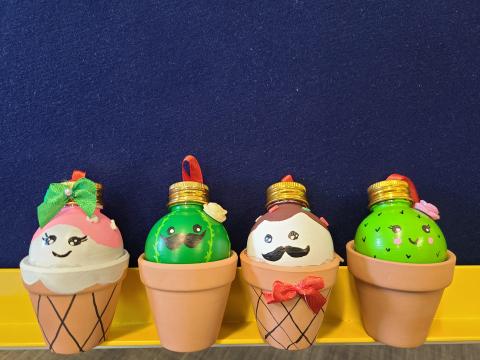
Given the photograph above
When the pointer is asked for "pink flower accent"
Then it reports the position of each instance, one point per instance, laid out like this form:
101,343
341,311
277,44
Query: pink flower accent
323,221
427,208
397,241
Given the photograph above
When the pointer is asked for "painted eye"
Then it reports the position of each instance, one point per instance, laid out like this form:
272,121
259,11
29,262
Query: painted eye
171,230
49,239
75,240
395,228
293,235
268,238
197,228
426,228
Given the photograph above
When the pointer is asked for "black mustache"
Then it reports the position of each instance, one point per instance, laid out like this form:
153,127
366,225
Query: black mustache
190,240
293,251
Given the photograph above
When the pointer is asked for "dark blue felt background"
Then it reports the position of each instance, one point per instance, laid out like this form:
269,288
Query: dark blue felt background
337,93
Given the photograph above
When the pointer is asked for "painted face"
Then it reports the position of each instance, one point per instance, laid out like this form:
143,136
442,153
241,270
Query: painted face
67,246
401,234
296,241
187,235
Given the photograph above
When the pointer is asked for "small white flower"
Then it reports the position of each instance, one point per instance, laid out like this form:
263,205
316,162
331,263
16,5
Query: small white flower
215,211
68,192
113,225
93,219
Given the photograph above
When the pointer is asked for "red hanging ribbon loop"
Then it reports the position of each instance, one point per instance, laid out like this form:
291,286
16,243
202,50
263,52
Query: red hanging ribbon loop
411,186
287,178
78,174
194,172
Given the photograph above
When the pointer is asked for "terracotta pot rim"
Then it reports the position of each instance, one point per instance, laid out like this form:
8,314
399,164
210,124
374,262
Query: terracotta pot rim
400,276
39,288
188,277
451,259
188,267
263,275
25,266
335,262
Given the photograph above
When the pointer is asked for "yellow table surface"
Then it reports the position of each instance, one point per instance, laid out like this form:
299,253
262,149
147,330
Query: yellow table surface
457,319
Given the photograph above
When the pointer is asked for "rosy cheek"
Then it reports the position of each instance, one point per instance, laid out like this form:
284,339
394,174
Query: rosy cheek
430,240
397,241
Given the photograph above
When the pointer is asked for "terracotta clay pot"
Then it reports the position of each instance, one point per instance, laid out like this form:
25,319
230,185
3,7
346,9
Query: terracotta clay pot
188,300
78,322
398,300
288,325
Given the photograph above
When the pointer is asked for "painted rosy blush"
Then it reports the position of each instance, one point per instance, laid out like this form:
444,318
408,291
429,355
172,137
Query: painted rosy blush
397,241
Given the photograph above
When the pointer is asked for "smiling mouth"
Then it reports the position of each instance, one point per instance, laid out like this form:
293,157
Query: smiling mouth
413,242
61,255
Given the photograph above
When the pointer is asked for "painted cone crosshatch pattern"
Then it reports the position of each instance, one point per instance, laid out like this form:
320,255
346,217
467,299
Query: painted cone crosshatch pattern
290,267
288,325
75,266
80,321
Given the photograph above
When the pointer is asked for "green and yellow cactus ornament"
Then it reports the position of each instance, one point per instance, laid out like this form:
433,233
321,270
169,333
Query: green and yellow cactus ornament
192,231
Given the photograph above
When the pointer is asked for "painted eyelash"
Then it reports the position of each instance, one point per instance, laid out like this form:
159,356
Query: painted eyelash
75,240
48,239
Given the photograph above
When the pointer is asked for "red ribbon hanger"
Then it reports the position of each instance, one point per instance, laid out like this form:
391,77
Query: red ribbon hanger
191,170
78,174
411,186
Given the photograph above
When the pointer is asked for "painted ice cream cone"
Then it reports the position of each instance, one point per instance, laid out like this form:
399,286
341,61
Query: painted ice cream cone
75,267
400,263
290,324
291,267
188,267
77,322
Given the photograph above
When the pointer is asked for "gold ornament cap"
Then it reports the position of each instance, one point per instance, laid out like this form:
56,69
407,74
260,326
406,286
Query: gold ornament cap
78,174
287,190
187,192
388,190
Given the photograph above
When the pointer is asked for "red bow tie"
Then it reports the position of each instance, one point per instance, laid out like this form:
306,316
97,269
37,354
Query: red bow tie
309,288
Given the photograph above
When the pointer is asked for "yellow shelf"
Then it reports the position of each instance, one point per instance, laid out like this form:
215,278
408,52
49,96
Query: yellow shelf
457,319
